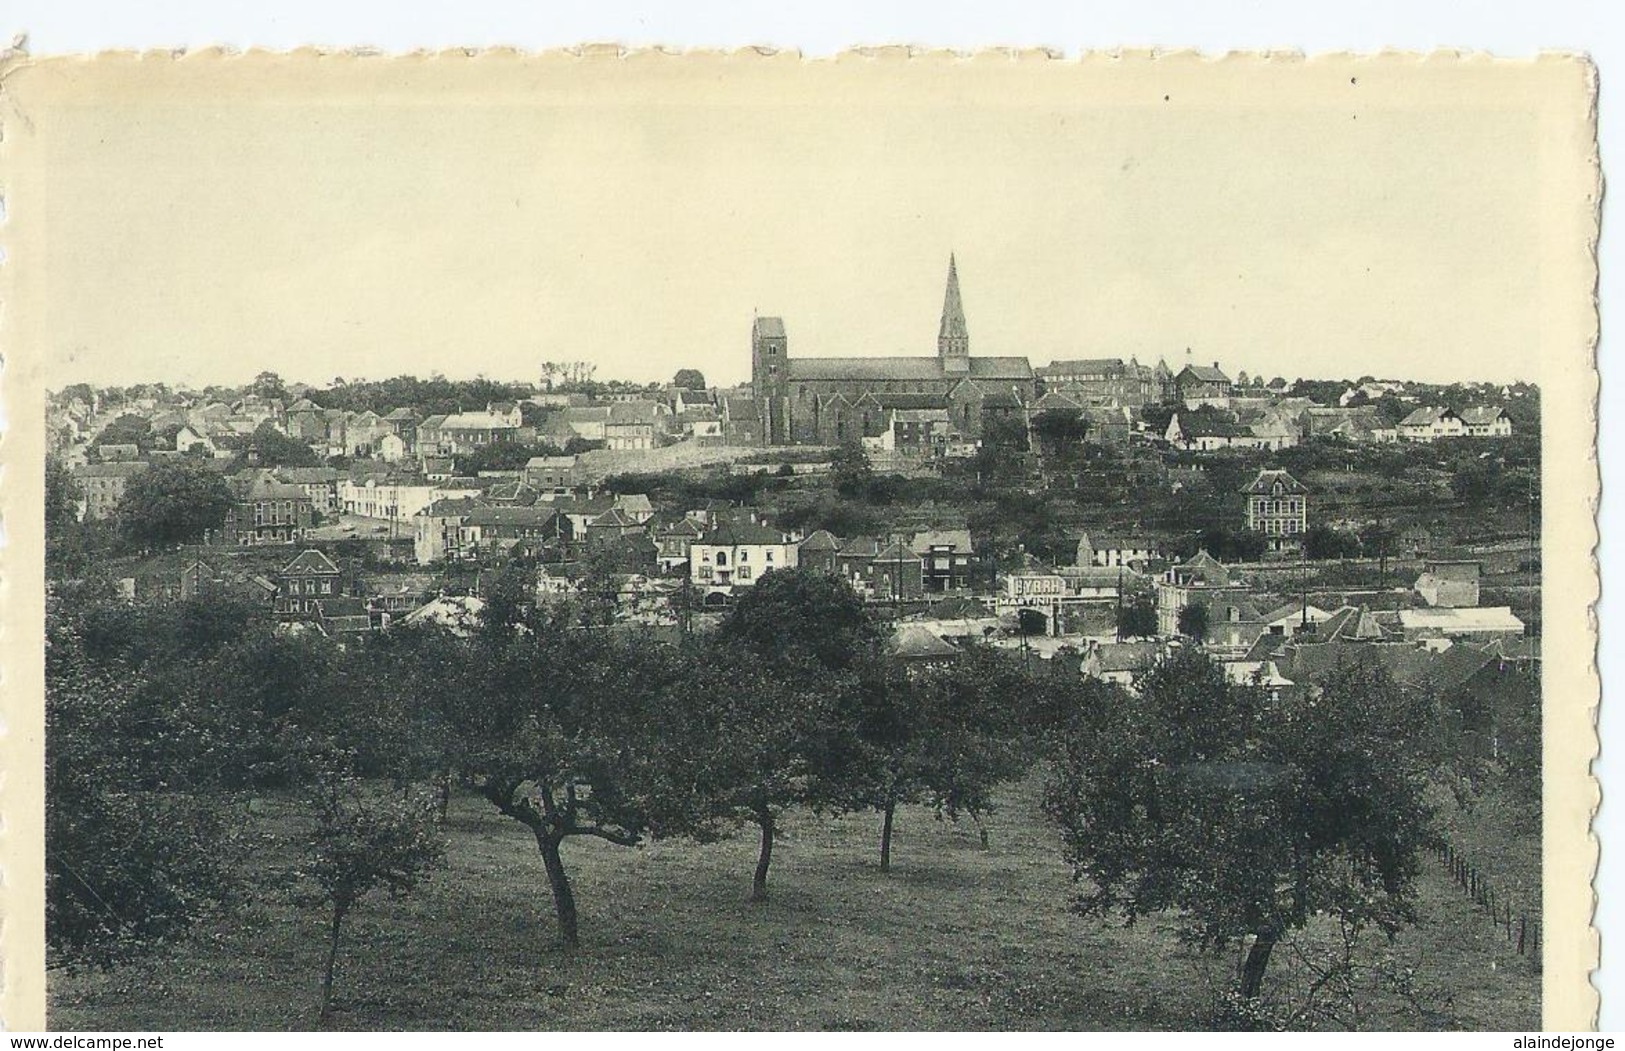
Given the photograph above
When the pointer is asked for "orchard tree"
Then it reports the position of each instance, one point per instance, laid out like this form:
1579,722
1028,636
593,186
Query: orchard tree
1245,816
173,503
945,734
757,742
568,733
361,843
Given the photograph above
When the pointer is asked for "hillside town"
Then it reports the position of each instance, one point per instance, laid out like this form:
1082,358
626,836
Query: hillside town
350,510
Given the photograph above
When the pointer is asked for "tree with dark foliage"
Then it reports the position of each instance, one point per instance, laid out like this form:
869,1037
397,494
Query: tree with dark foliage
567,733
1244,816
173,503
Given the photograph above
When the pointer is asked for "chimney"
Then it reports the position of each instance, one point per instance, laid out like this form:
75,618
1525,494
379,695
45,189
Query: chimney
1215,365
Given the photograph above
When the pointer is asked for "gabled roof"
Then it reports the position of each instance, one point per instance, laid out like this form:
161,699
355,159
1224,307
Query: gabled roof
683,526
917,642
304,405
307,475
311,561
449,507
1054,401
821,540
263,488
732,534
896,552
1265,483
1482,415
431,422
1204,373
1426,416
634,503
550,461
476,421
958,539
614,518
402,413
860,547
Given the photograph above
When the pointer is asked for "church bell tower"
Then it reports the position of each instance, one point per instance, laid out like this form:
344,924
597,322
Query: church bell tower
953,341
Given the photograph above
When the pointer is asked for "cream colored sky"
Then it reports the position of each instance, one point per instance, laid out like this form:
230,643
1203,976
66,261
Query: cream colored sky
387,222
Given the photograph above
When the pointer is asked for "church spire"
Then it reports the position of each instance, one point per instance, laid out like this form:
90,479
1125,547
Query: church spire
953,340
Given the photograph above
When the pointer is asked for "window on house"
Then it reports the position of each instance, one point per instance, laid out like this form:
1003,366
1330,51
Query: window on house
327,587
744,573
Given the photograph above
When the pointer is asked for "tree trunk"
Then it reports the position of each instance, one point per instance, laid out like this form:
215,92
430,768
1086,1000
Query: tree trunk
332,958
1258,959
445,794
885,835
758,887
564,899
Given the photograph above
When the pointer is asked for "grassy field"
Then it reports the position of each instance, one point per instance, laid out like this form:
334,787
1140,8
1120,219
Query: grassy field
957,937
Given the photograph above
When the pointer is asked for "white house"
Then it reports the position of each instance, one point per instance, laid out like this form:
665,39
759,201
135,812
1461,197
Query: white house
737,555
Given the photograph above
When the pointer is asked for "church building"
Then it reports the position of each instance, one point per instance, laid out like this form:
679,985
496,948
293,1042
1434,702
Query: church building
827,401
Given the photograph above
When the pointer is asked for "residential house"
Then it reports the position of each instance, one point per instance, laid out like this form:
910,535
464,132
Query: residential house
437,530
1277,505
306,421
737,555
673,539
1208,431
635,506
915,644
1449,584
1200,385
267,511
1199,581
321,484
818,551
304,583
439,468
1486,421
189,438
466,432
488,530
1430,423
946,556
396,501
551,474
118,452
895,574
1108,550
103,485
610,526
391,448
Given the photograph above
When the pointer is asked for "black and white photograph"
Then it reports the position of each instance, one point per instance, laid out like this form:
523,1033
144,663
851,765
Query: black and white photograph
652,542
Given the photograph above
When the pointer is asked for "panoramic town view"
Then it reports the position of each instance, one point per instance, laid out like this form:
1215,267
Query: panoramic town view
943,690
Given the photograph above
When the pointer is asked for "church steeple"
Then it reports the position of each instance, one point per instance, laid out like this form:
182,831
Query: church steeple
953,340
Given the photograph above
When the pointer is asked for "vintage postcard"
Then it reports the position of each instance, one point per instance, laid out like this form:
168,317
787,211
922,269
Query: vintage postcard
639,541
